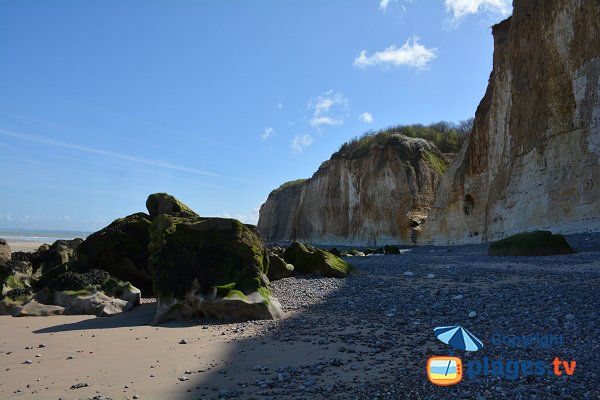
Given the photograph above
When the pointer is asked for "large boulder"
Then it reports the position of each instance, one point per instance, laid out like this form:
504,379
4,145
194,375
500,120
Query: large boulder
4,251
308,260
209,267
121,249
163,203
539,243
278,268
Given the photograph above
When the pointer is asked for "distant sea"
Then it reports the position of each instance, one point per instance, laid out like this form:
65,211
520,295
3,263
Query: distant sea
39,235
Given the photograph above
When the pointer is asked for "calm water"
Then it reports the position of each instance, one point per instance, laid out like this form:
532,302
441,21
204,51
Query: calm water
39,235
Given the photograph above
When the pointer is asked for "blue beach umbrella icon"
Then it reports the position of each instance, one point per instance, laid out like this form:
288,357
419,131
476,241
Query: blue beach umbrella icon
458,337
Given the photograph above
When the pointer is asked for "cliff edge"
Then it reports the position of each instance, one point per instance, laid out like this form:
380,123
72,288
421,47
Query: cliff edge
532,160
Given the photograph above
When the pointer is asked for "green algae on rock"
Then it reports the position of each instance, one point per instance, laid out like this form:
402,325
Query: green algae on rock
308,260
538,243
164,203
202,265
121,249
278,268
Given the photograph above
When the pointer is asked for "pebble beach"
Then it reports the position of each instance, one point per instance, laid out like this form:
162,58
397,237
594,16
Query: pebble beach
365,337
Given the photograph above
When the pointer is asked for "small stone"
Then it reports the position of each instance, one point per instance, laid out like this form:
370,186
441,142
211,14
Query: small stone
430,276
28,362
183,378
472,314
136,396
38,355
458,297
408,273
41,345
187,372
80,385
183,341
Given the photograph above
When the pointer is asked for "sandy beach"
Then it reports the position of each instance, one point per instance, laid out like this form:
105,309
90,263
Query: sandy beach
368,336
27,246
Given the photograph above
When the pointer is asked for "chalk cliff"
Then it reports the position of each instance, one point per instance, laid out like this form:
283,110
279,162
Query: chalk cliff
532,160
373,193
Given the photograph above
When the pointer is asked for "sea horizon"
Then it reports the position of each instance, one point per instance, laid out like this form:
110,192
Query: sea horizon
40,235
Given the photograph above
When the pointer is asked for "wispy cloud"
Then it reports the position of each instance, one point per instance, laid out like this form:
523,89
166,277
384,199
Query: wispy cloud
144,171
462,8
300,142
366,117
383,5
267,133
411,54
328,109
125,157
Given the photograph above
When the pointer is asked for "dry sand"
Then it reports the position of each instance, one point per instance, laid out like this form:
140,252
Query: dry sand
121,356
24,246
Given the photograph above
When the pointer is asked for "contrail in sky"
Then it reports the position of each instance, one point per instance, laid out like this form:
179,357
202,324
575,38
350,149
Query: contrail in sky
120,156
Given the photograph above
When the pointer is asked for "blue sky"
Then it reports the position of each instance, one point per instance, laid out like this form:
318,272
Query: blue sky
215,102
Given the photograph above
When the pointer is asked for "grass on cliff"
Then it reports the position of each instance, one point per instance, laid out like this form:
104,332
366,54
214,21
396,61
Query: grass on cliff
289,184
447,136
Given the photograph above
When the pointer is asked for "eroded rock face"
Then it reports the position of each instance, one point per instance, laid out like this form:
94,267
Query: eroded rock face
121,248
376,197
64,291
532,161
209,267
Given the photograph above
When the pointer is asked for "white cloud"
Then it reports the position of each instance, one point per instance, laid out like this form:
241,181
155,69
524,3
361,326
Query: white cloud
366,117
462,8
328,109
411,54
268,133
383,5
280,106
300,142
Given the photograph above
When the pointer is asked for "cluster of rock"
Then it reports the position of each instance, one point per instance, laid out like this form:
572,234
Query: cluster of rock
194,266
51,281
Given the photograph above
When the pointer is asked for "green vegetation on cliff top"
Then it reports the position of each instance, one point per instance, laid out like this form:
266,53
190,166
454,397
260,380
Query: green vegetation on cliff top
289,184
447,136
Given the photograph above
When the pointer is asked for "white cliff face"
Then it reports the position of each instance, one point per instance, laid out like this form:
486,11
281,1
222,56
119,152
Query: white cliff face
366,200
533,159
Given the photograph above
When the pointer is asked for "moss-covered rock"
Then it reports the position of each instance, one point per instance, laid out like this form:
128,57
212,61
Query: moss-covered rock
163,203
278,268
49,256
308,260
121,249
4,251
391,249
539,243
11,267
196,260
